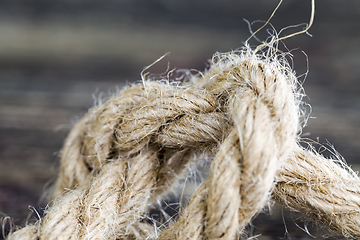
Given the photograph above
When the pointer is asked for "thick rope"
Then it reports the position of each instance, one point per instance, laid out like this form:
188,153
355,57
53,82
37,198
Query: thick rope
243,113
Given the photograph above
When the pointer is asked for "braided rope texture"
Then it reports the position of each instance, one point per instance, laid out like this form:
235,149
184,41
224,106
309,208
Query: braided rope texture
243,113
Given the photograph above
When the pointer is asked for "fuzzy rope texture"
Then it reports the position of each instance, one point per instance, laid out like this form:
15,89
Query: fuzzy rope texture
243,113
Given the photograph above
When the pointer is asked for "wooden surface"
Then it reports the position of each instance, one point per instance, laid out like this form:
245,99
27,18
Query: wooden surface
58,57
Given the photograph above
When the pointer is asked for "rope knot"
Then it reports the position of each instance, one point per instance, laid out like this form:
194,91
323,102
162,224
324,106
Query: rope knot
243,113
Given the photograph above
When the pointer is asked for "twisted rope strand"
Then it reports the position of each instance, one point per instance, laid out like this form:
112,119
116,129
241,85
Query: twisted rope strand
322,190
243,113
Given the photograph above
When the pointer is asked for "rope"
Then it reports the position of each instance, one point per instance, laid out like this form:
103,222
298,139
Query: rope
243,113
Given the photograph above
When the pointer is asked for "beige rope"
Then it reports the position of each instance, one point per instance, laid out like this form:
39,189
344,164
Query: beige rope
243,113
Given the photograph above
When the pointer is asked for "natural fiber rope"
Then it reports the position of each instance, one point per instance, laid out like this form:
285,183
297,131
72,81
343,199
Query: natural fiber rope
243,113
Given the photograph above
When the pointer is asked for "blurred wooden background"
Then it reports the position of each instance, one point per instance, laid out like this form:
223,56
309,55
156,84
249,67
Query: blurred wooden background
57,56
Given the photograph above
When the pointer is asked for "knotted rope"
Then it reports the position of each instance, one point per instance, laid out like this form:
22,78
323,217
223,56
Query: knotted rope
243,113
